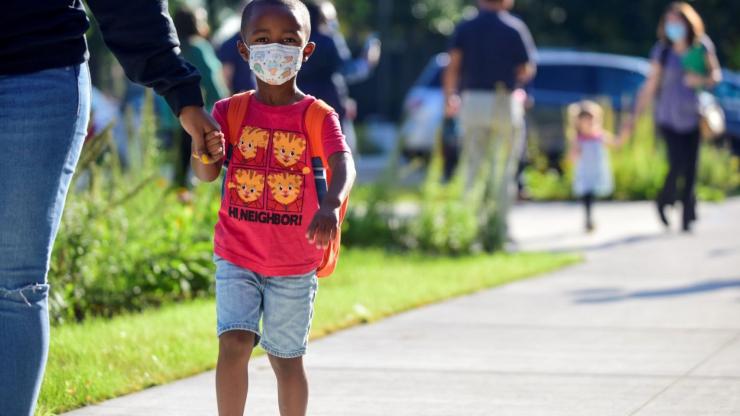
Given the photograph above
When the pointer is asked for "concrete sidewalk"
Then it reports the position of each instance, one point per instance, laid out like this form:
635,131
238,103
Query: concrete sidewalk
648,325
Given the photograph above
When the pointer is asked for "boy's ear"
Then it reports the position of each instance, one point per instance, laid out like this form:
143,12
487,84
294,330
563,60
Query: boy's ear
308,51
243,50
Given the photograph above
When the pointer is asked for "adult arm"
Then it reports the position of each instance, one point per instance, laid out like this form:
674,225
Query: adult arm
525,52
645,98
714,73
451,82
141,35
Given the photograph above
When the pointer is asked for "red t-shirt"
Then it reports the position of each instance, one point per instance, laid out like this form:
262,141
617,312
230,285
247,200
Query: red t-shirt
269,194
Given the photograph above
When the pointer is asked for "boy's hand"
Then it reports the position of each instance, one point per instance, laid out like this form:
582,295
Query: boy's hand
215,146
324,227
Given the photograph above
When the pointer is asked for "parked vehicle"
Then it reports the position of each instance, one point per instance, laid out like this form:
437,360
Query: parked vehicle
563,77
424,109
728,94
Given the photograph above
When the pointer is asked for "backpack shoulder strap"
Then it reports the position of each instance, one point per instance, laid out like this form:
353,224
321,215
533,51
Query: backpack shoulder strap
238,107
316,114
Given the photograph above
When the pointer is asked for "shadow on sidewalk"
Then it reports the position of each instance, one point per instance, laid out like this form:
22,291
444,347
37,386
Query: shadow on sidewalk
616,295
595,246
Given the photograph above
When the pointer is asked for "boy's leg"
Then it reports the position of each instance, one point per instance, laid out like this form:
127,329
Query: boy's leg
288,310
292,385
239,306
232,376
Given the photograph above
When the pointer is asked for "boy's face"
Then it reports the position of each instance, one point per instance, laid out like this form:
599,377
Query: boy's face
275,24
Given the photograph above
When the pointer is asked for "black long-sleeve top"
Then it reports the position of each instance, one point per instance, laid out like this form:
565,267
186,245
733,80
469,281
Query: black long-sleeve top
44,34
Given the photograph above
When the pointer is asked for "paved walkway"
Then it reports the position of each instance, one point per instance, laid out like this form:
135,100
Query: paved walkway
648,325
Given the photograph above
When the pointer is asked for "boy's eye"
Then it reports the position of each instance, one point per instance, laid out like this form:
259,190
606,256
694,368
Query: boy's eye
290,40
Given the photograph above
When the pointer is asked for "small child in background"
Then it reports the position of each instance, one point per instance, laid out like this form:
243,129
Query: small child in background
593,175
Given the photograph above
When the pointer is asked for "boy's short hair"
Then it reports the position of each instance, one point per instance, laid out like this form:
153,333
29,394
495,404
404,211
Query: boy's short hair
295,5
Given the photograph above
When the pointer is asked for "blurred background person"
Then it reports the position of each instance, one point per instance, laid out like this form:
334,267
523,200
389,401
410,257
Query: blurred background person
593,174
331,69
193,31
236,73
683,62
493,51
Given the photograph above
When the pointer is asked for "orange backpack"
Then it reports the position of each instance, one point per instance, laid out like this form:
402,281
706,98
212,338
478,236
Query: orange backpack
314,124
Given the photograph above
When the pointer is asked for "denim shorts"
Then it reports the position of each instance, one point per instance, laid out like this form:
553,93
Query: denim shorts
284,304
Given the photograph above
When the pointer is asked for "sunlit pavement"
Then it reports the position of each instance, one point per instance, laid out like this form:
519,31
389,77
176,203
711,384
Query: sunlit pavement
649,324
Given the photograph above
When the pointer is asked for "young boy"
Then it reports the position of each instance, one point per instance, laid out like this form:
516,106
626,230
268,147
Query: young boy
272,231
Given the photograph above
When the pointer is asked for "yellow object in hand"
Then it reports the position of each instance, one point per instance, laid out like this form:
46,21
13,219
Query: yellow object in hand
203,159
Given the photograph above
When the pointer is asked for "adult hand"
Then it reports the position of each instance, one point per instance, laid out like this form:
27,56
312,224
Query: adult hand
198,124
373,51
625,132
694,80
350,108
452,106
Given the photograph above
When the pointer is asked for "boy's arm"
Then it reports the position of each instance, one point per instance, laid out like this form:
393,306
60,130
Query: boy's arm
343,178
208,170
325,224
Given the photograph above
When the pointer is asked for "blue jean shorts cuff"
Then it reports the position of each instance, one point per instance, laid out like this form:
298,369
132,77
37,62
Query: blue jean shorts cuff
240,327
282,354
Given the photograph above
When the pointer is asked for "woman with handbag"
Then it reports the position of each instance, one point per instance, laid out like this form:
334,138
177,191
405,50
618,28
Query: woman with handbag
683,67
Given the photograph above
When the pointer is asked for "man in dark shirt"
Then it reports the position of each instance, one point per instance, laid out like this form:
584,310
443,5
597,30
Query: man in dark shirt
44,112
236,72
491,56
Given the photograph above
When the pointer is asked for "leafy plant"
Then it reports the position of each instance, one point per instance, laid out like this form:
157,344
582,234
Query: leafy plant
126,242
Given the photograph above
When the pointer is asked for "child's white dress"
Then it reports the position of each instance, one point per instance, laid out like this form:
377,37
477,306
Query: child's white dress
593,173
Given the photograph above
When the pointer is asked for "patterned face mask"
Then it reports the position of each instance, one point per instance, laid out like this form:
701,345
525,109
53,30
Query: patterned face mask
274,63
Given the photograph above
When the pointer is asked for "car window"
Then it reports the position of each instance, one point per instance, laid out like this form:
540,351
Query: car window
570,78
431,77
727,90
618,82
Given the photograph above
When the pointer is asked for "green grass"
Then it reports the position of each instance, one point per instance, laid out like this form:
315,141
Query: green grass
100,359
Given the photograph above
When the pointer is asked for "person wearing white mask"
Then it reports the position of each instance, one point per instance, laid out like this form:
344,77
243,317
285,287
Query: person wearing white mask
683,62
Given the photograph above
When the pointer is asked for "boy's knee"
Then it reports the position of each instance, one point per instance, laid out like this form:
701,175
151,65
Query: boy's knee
236,344
288,367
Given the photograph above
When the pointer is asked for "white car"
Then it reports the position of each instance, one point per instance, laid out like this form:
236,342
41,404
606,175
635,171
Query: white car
424,109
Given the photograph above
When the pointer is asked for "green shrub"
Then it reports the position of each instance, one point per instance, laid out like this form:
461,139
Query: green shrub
126,242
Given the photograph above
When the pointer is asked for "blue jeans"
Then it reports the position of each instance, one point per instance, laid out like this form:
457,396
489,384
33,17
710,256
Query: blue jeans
43,122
